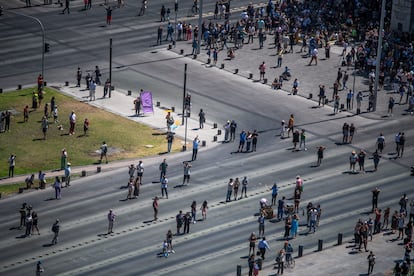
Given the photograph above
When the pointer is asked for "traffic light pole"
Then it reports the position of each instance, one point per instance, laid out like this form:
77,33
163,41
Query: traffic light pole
43,38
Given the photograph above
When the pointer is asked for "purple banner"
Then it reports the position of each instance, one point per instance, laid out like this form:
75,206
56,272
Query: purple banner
146,99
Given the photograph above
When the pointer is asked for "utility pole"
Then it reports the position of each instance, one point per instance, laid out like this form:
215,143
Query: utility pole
200,20
110,66
176,11
379,53
184,91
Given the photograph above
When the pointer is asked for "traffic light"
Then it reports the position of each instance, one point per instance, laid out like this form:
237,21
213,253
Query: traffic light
176,6
47,47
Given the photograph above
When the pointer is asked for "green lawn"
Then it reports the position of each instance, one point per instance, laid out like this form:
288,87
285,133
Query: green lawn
125,138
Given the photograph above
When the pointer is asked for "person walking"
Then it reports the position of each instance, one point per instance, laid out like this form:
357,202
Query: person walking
111,219
55,230
371,262
67,2
244,183
291,123
35,222
163,168
159,35
168,238
380,143
322,95
155,207
376,159
187,172
263,245
280,260
196,143
164,186
104,151
12,164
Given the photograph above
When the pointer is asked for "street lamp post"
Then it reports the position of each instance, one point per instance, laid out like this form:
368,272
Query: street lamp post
176,10
184,111
43,38
379,53
110,67
200,20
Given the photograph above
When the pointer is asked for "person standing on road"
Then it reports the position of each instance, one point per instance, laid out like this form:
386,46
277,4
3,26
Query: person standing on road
321,149
261,221
375,194
58,186
39,268
242,141
168,238
380,143
137,105
376,159
187,172
252,243
229,190
353,158
263,245
55,230
254,140
400,149
233,128
361,160
140,173
280,208
179,219
322,95
35,222
164,186
163,168
194,211
111,219
204,208
159,35
275,191
291,123
313,219
130,187
236,186
371,262
244,183
155,207
187,222
280,260
262,70
196,144
302,140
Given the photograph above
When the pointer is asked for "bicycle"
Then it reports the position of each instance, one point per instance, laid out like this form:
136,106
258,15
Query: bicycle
290,263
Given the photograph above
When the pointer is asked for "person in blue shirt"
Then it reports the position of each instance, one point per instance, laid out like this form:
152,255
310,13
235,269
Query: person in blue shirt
243,137
275,191
196,143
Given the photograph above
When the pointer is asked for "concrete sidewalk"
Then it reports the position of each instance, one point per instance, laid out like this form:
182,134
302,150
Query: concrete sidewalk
122,104
343,260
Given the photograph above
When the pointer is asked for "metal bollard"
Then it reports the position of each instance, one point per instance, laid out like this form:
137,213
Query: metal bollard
195,57
203,143
310,95
66,83
215,125
264,81
238,270
208,60
181,52
214,138
300,251
19,87
98,169
83,173
320,245
1,90
218,131
339,238
172,108
250,75
236,71
45,84
158,104
222,66
129,92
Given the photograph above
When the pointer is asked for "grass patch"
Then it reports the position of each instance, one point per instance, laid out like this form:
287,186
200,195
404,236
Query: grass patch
125,138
